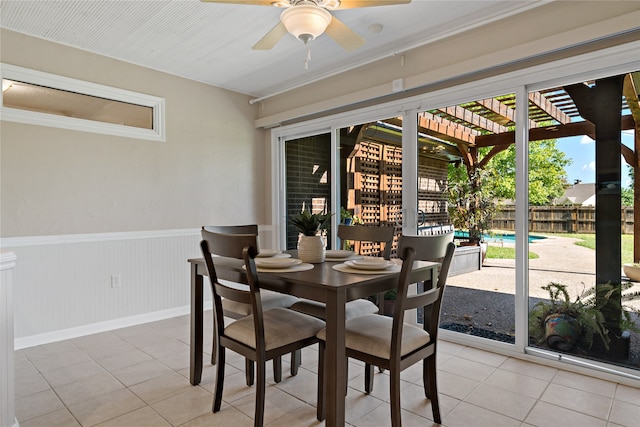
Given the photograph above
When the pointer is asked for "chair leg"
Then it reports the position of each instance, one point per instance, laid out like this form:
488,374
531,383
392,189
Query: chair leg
260,393
320,414
277,369
217,393
429,378
249,371
346,376
368,378
214,346
394,379
296,361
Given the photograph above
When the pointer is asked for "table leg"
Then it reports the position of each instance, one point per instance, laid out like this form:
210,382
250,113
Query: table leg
197,318
335,356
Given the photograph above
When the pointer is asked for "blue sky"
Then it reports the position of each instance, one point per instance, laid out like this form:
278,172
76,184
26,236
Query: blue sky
581,150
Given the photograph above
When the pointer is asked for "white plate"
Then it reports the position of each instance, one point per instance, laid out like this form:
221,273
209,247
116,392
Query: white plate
369,260
265,253
368,265
338,254
277,262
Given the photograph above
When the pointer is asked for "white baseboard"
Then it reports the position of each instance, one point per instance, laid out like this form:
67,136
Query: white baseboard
95,328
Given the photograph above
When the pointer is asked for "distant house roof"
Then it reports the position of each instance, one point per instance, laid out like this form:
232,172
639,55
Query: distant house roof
578,194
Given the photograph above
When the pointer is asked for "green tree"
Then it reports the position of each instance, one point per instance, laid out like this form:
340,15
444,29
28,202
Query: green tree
627,193
547,176
474,193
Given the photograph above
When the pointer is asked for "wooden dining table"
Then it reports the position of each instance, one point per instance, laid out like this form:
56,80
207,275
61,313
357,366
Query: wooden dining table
323,284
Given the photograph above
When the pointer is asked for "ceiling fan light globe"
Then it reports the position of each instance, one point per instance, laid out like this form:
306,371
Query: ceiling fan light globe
305,22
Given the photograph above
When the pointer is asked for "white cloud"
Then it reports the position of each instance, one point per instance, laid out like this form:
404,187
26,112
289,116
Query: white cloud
585,140
591,166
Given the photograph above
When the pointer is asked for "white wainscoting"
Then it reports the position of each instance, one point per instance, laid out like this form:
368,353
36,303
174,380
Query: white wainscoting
65,282
7,370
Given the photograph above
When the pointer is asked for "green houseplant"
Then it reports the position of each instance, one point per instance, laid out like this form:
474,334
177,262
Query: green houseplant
309,224
345,216
311,246
472,203
563,323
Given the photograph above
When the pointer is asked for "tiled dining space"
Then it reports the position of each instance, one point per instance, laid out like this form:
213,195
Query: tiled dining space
139,376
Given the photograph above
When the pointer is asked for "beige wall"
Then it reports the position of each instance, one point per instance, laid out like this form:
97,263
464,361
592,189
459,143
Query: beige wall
55,181
548,28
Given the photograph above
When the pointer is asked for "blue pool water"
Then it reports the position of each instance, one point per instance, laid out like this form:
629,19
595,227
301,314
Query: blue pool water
498,237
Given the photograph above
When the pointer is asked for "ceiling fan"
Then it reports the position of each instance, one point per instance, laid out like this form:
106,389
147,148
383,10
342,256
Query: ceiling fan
308,19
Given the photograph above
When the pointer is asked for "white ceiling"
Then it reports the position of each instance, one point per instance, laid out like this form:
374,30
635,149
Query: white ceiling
211,42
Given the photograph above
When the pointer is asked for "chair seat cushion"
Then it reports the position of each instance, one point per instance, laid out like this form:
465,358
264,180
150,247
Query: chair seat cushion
281,327
270,299
354,308
371,334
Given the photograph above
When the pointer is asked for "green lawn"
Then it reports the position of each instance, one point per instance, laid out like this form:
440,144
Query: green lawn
586,240
589,241
505,253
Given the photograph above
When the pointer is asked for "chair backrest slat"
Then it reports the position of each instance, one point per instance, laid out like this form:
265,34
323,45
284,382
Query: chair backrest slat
365,233
428,248
238,295
422,299
232,229
228,245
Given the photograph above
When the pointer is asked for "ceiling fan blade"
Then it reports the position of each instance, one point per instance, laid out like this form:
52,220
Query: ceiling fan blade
271,38
253,2
343,35
352,4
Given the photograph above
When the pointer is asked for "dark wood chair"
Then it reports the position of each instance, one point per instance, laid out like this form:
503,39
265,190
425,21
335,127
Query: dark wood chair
262,336
392,344
382,235
236,310
375,234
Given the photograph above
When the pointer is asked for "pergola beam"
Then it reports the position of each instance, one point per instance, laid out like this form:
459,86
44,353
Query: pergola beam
550,132
548,107
474,119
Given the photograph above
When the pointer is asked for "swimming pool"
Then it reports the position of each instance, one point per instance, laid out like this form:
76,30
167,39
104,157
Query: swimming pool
498,237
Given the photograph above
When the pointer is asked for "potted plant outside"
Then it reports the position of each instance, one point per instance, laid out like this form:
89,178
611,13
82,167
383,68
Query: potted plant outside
562,323
632,271
389,302
471,206
345,216
311,246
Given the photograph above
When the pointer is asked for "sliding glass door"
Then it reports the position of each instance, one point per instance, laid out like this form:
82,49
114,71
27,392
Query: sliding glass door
583,290
536,179
465,174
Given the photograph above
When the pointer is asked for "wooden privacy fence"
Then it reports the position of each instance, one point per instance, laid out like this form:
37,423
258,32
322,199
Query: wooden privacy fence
560,219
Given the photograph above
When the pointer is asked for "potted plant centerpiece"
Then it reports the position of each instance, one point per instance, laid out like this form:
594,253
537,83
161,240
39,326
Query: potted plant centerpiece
311,246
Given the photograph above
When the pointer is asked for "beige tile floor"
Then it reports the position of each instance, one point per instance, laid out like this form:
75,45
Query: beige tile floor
138,376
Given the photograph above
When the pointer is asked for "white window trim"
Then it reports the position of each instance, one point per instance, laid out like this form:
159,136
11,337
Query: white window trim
13,72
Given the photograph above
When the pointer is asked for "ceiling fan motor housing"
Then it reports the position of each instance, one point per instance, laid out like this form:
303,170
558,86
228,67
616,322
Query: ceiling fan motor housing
305,21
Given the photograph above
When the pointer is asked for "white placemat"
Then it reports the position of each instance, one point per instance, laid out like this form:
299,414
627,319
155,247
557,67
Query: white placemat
300,267
346,269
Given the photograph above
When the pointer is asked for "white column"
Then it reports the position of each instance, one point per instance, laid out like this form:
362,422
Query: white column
7,374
